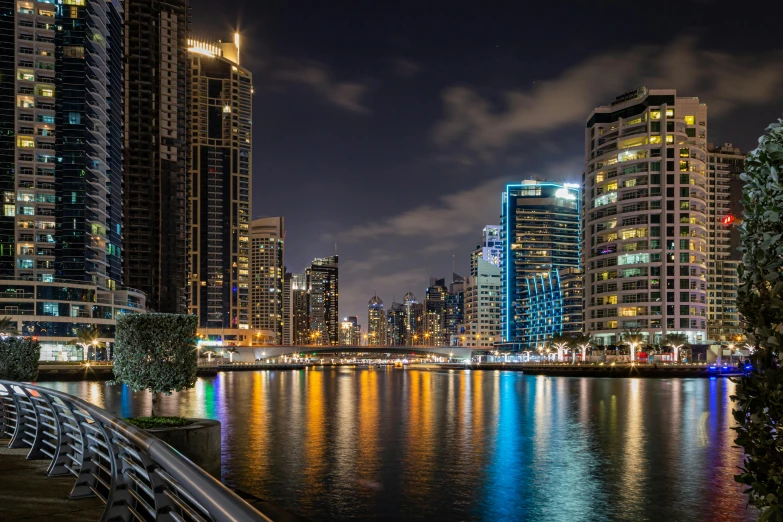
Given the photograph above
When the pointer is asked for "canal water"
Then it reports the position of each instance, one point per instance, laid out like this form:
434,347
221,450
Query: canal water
390,444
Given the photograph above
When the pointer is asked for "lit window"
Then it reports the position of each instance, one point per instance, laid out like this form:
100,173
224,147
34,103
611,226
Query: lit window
670,113
9,210
655,115
670,138
690,120
655,139
27,143
74,118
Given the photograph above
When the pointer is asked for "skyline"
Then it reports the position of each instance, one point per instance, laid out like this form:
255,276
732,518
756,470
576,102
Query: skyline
449,100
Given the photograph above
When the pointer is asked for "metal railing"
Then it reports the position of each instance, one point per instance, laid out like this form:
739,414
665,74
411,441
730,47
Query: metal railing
137,476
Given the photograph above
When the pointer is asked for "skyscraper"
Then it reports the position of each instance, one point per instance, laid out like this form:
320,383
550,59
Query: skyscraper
489,250
540,234
350,331
288,309
155,214
267,269
376,322
61,154
220,172
300,310
89,119
435,313
322,283
645,198
455,309
483,296
724,212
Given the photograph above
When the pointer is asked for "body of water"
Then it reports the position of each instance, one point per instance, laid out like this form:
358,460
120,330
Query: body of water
392,444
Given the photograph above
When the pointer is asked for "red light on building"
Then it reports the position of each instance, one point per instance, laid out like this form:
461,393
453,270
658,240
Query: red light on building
727,220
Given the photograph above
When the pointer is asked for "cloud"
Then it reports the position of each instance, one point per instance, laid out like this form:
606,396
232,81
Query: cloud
405,68
722,81
346,95
454,215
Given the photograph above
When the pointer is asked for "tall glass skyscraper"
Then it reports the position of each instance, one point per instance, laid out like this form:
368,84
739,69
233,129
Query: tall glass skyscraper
540,231
220,171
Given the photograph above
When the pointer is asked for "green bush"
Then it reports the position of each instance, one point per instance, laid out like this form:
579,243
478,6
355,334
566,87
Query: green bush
147,423
156,352
759,396
19,359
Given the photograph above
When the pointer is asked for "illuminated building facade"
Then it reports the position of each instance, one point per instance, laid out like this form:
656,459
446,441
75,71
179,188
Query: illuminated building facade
322,284
483,296
646,225
350,331
267,270
540,231
724,212
220,173
376,322
489,250
435,313
455,309
155,212
299,299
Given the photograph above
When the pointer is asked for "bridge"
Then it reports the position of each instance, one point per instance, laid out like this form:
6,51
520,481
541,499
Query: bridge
121,472
253,353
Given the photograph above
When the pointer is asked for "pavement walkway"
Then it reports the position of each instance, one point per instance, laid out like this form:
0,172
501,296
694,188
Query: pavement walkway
27,493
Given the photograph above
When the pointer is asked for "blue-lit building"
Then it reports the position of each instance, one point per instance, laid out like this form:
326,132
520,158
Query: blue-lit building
540,261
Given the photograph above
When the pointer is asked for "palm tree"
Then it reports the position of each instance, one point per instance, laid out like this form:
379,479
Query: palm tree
676,341
86,337
560,342
583,342
7,327
634,337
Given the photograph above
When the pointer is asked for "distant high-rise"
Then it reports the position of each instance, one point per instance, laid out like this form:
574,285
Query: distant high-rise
724,212
435,313
540,232
300,310
489,250
350,331
267,268
645,241
483,296
376,322
455,309
322,283
288,309
220,172
413,331
155,214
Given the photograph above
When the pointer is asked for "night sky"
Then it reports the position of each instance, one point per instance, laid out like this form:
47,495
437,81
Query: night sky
392,127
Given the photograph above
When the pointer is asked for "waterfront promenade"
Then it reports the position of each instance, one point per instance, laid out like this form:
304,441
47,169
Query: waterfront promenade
27,493
103,371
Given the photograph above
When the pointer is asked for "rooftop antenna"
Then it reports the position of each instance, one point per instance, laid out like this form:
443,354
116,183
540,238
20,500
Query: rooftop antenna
452,267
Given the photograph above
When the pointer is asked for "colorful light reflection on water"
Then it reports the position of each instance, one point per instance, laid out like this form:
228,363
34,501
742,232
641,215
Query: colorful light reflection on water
461,445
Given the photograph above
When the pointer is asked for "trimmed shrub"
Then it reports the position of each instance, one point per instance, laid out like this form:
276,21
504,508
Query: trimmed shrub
156,352
19,359
759,396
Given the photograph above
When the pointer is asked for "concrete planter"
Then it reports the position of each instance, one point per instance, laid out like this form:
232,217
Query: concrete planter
200,442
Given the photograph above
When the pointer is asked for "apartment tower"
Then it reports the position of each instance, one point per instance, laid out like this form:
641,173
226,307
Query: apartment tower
267,271
155,214
540,230
646,217
724,213
220,172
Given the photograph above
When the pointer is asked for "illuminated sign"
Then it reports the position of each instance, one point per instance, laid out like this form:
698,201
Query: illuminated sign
210,343
727,220
563,193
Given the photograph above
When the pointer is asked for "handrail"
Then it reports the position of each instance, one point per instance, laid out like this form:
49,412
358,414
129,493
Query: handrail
137,476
